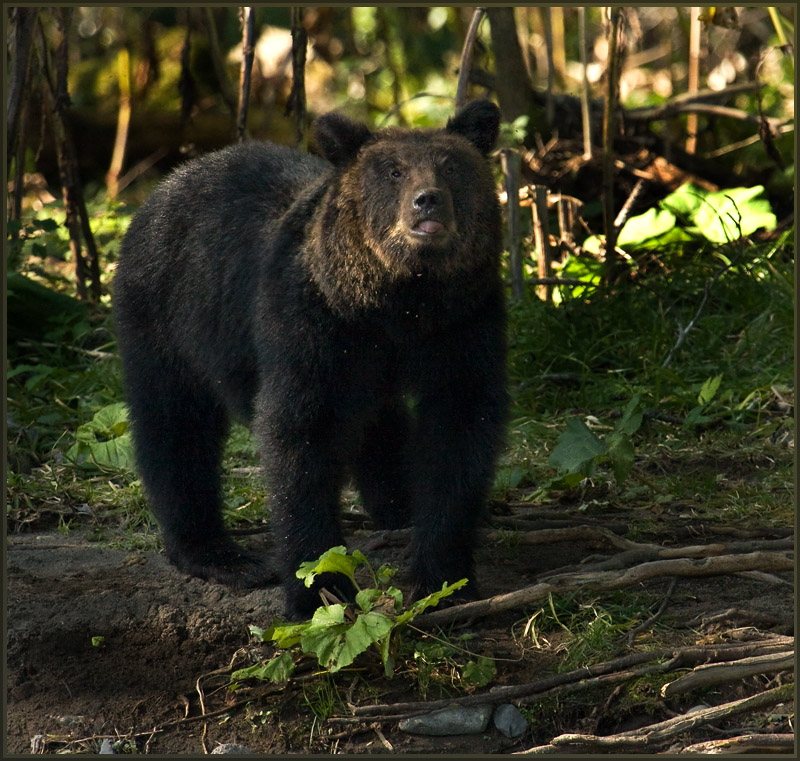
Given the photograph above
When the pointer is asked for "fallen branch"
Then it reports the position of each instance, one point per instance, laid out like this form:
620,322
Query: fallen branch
608,580
658,733
777,743
719,673
615,670
751,616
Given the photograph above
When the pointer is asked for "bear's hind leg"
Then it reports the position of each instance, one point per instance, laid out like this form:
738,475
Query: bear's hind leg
179,430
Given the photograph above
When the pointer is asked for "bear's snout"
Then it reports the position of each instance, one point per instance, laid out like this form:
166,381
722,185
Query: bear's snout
430,215
427,200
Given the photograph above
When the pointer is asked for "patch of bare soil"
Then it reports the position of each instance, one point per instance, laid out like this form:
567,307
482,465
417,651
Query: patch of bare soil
163,631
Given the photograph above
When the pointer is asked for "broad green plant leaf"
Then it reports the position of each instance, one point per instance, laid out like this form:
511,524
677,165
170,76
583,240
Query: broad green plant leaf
105,440
277,670
724,215
576,452
335,560
652,224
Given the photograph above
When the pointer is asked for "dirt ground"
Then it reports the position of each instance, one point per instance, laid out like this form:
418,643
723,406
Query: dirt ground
162,630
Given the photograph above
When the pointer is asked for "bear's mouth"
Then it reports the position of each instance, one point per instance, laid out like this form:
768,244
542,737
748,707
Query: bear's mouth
427,227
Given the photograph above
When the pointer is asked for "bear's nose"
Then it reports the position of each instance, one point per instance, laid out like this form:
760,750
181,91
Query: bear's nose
428,199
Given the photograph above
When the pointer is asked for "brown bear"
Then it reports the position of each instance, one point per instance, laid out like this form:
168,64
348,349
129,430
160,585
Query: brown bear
351,311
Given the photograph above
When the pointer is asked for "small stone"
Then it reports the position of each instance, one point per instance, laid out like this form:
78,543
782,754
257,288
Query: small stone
107,748
230,748
470,720
509,720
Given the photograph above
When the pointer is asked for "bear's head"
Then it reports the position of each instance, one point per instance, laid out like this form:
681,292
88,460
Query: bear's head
421,200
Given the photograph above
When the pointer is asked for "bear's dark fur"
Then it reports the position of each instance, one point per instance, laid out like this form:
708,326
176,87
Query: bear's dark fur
351,311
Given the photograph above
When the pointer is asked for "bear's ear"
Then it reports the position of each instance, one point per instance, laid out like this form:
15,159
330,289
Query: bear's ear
339,138
479,122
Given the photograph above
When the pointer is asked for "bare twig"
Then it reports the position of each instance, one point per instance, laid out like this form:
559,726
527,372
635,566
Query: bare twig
655,734
607,580
609,130
625,211
752,743
466,57
683,332
608,672
223,80
585,120
21,25
297,99
719,673
248,53
648,623
541,236
510,160
694,74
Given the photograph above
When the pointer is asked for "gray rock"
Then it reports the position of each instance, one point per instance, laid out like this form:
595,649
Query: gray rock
230,748
471,720
107,748
509,720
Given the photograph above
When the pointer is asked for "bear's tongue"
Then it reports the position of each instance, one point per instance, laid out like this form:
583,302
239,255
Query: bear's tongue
429,226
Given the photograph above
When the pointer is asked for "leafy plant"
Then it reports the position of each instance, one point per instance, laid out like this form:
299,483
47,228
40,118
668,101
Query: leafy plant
579,450
105,440
338,633
693,213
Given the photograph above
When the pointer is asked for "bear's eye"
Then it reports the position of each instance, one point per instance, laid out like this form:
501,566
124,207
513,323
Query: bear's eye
449,169
395,173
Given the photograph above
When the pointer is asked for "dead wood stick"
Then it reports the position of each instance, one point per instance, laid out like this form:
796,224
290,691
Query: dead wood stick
662,731
608,580
587,532
719,673
753,743
678,658
751,616
511,692
466,57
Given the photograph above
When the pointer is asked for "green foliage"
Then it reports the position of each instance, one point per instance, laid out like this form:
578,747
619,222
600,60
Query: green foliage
692,213
338,633
439,663
588,632
105,441
579,450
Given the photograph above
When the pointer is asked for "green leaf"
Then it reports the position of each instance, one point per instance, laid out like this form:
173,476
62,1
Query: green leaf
105,440
479,672
368,628
620,453
434,598
709,389
365,599
685,201
724,215
695,416
283,635
277,670
631,417
335,560
509,478
385,574
577,449
652,224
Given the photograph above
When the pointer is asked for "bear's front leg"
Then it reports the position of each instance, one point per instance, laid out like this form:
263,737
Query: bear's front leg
459,430
304,476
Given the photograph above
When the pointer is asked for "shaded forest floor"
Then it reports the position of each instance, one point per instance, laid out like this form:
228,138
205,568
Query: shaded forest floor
158,679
